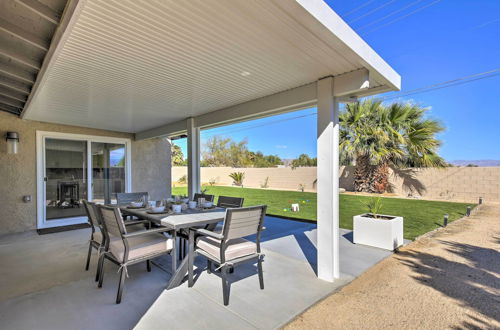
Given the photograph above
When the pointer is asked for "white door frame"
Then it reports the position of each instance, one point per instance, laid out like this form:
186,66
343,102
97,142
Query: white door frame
40,172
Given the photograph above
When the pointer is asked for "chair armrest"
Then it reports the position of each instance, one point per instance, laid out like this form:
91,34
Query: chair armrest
145,232
135,222
205,232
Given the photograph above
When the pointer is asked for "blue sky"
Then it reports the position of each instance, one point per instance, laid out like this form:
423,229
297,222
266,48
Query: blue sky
426,42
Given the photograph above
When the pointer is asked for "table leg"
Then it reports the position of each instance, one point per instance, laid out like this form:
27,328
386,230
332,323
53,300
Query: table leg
179,275
174,253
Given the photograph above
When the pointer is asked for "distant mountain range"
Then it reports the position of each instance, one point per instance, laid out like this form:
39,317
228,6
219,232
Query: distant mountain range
481,162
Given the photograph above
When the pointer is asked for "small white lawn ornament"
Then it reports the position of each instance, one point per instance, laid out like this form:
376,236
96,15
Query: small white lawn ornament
295,207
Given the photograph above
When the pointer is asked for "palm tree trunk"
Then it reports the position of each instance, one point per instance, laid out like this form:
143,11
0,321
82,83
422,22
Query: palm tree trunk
380,178
362,174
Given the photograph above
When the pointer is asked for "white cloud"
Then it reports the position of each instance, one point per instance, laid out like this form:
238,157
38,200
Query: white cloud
281,146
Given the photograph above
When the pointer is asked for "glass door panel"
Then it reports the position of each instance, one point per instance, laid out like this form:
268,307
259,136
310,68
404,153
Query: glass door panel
65,178
108,171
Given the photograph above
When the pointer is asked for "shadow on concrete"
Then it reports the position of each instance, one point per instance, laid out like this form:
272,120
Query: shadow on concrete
475,282
349,236
309,250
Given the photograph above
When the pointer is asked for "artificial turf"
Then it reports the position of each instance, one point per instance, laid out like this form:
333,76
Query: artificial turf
420,216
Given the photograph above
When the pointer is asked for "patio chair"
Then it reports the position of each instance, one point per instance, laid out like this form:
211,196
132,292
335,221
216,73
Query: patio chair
227,202
96,236
125,249
228,248
126,198
208,198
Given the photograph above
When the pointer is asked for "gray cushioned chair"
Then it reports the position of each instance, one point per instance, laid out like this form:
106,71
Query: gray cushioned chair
96,235
208,198
228,248
125,248
227,202
125,198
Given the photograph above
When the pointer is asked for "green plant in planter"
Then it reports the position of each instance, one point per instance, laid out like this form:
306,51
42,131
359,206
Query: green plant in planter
374,206
237,178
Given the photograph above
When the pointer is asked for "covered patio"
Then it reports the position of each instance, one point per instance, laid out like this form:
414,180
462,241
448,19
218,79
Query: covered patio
128,76
58,294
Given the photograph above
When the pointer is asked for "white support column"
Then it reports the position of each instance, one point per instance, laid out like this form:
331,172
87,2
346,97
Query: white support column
328,181
193,154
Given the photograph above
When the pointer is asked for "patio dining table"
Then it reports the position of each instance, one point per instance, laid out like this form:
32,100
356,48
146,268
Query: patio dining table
185,220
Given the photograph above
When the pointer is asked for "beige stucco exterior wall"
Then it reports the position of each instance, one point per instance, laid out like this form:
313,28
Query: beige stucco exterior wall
151,167
461,184
18,172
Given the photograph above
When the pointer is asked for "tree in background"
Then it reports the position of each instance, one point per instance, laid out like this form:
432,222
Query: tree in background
304,161
219,151
177,156
374,136
258,159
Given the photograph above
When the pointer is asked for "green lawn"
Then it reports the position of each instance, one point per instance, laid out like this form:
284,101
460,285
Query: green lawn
420,216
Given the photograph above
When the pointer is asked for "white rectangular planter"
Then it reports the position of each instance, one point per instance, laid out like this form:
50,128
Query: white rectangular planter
382,233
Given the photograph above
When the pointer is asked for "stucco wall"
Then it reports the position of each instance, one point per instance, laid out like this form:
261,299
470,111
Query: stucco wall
461,184
279,178
151,167
18,172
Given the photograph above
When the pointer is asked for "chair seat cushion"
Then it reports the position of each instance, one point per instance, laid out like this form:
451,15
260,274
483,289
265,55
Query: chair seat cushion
97,237
141,246
236,248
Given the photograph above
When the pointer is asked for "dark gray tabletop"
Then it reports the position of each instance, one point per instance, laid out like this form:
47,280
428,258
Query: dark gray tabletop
188,218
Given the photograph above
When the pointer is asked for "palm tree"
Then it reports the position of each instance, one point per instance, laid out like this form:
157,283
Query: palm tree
374,136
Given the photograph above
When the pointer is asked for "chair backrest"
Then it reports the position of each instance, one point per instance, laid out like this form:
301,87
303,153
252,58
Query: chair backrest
230,202
208,198
243,222
112,221
91,210
125,198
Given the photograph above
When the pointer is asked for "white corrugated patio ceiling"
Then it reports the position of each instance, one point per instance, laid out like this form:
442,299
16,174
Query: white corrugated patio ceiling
130,66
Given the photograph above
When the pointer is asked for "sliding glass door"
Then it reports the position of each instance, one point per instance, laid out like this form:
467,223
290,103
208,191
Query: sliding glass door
72,168
65,178
108,171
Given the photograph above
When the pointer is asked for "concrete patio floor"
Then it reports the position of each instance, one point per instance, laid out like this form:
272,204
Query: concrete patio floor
44,285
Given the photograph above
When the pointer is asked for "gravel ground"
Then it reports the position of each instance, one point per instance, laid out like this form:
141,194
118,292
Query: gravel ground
449,279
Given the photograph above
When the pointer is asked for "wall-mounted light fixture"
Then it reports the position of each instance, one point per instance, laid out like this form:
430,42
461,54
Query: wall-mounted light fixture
12,139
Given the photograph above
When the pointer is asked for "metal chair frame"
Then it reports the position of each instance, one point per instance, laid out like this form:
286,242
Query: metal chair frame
230,202
208,198
125,262
226,265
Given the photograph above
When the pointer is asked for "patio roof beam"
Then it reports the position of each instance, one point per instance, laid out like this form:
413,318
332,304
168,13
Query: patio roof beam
20,58
353,83
12,93
9,108
18,74
23,35
42,10
66,23
289,100
11,101
15,85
